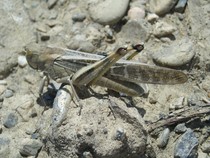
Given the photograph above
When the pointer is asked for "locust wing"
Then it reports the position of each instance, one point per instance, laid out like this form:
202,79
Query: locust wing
143,73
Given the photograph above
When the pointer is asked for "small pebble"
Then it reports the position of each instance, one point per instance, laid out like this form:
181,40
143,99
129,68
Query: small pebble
22,62
136,13
30,147
105,131
33,113
162,29
87,154
84,46
181,6
107,12
163,138
45,37
1,98
194,100
187,145
8,93
3,82
180,128
35,136
79,17
109,34
161,7
89,131
152,17
120,134
139,31
51,3
11,120
177,103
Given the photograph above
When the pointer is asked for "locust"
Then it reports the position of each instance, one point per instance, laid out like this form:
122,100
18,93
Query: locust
115,71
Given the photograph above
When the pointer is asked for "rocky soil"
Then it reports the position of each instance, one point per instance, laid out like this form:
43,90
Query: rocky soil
167,121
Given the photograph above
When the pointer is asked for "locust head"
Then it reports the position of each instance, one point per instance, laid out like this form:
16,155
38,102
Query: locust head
32,59
37,57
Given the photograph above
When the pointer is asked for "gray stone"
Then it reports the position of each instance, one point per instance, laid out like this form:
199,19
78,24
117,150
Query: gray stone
11,120
87,154
181,6
163,138
186,146
161,7
79,17
177,54
120,134
8,93
177,103
30,147
139,31
194,100
180,128
107,12
35,135
51,3
84,46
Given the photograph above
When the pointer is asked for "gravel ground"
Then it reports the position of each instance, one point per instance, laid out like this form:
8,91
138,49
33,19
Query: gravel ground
175,34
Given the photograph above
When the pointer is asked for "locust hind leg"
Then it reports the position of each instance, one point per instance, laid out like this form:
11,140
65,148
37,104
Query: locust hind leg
88,75
41,88
68,80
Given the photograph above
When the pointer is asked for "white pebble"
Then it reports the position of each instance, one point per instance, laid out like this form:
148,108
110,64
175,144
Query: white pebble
136,13
3,82
152,17
22,62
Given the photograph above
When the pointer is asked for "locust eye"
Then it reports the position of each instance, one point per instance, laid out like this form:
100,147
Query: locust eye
32,59
138,47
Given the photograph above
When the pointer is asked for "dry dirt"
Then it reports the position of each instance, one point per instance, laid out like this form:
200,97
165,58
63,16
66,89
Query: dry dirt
98,132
